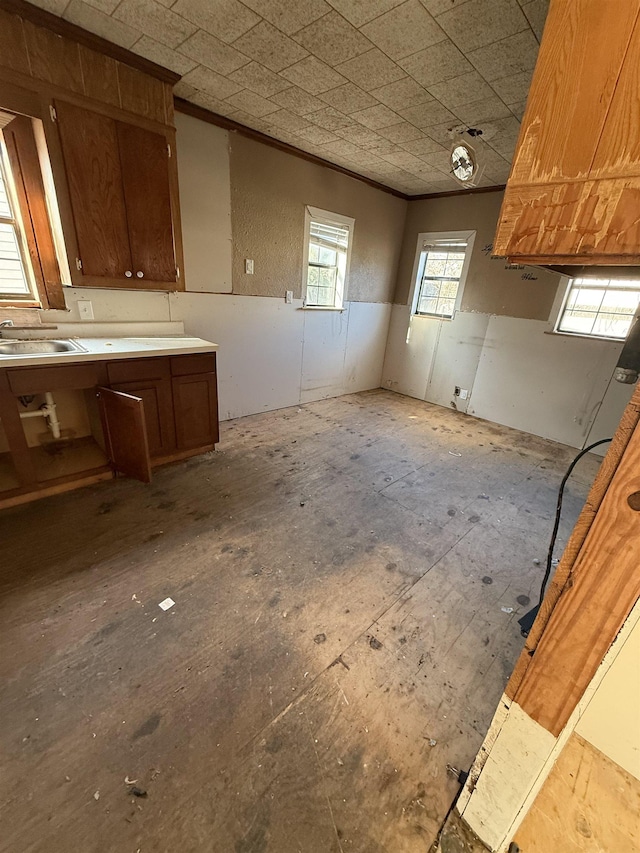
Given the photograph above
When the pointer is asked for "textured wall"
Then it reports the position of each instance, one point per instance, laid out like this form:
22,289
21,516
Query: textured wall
269,191
490,287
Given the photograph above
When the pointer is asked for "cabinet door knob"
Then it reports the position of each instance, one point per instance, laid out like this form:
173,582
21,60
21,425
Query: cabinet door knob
140,274
128,273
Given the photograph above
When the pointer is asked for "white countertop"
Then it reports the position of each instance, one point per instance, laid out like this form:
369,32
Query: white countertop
105,349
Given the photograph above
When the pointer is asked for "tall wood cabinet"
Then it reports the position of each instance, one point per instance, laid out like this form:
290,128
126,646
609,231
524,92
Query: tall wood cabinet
574,191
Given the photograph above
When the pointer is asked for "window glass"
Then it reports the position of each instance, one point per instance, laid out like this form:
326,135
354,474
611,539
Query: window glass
13,276
439,279
599,308
326,264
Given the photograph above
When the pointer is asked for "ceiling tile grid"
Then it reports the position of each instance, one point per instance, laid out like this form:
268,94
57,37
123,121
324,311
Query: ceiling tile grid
379,87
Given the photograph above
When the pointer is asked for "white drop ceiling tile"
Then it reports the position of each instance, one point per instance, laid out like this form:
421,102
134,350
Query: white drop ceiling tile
465,89
358,12
215,105
399,31
441,62
348,98
313,76
259,79
510,56
333,39
404,160
154,20
378,116
490,158
288,121
385,146
102,25
427,114
210,51
501,128
297,100
254,105
209,81
225,19
403,93
481,22
270,47
106,6
479,112
437,7
162,55
342,148
536,13
57,7
331,119
318,135
518,109
514,88
402,132
440,160
423,146
289,16
446,186
370,70
362,136
184,90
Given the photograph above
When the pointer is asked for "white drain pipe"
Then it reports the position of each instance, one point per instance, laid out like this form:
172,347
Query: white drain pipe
46,410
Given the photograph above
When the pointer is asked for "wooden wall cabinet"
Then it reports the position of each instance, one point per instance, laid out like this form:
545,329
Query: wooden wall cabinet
119,181
108,122
574,190
149,411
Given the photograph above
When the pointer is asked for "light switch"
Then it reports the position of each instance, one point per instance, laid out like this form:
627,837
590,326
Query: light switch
288,297
248,266
85,309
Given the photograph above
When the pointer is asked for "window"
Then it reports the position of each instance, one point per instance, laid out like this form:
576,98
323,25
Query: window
15,277
441,267
327,254
599,308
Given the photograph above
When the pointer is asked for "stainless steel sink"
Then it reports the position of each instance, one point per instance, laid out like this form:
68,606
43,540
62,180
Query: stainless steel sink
38,347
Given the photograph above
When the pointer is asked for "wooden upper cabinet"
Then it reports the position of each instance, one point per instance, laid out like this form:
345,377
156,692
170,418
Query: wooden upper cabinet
121,198
144,160
574,189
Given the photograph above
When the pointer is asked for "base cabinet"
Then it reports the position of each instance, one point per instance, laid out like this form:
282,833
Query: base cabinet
135,414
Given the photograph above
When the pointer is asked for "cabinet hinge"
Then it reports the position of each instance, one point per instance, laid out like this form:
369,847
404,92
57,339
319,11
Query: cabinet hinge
78,264
169,149
53,113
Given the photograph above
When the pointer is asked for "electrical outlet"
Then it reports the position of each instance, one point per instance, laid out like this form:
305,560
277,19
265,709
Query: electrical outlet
288,297
85,309
248,266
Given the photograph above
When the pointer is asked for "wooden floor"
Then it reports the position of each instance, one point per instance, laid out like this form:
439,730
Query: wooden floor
347,579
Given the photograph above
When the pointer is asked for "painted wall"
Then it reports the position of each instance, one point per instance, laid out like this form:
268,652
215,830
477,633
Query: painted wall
269,191
500,346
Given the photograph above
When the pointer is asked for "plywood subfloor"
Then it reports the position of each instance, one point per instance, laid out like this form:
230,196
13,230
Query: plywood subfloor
348,577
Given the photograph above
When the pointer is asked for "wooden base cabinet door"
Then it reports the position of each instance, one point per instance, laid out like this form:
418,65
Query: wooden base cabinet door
195,402
158,413
125,433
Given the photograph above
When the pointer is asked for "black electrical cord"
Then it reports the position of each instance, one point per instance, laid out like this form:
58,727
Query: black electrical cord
527,620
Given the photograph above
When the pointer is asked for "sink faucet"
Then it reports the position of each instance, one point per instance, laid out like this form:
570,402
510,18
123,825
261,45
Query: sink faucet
4,323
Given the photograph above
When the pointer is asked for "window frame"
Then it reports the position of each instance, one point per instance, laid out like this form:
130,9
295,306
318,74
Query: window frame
338,220
560,304
433,238
31,299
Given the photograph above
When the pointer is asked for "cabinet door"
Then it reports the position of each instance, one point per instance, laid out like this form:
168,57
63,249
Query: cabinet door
125,433
91,155
195,402
158,412
144,159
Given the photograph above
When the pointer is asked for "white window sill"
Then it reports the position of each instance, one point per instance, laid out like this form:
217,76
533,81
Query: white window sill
584,337
320,308
432,317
